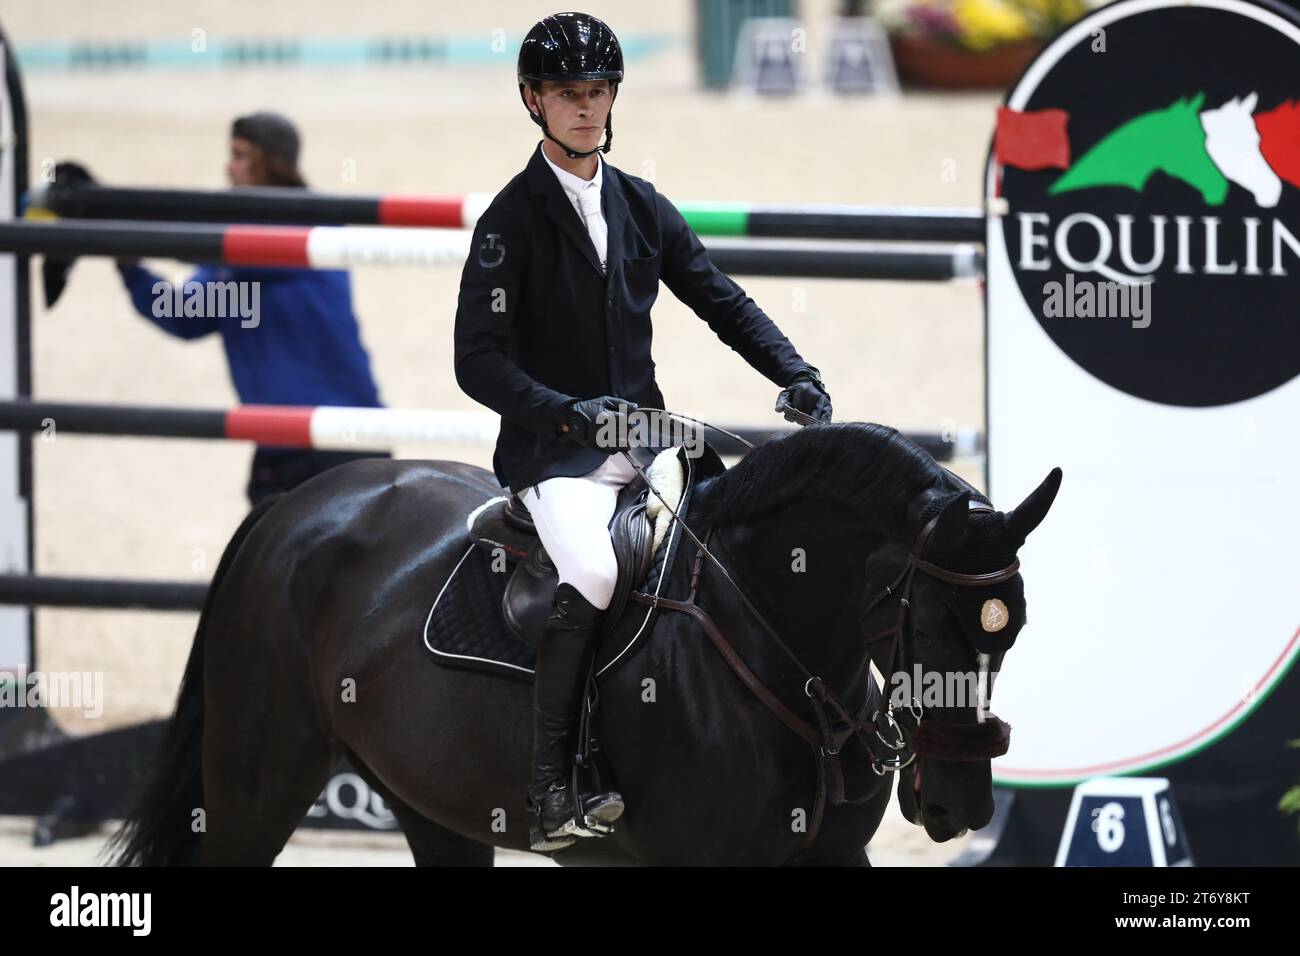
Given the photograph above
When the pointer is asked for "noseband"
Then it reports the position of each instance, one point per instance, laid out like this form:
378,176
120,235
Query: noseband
893,738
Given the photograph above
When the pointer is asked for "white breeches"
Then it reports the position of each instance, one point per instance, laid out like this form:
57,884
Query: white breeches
572,518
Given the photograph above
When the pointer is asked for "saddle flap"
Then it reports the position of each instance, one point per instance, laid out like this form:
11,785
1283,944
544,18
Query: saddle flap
633,539
526,602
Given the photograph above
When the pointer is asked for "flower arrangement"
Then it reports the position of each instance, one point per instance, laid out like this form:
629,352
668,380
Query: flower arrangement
980,25
970,44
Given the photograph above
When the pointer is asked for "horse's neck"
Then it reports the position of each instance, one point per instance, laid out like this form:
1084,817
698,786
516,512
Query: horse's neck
803,569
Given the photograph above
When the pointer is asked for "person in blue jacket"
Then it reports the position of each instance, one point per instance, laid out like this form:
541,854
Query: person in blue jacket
290,334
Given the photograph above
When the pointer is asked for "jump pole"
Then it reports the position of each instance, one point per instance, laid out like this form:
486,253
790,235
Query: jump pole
345,247
341,428
288,206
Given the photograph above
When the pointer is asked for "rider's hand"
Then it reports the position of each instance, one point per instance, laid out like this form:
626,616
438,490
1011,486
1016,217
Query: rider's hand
584,421
807,395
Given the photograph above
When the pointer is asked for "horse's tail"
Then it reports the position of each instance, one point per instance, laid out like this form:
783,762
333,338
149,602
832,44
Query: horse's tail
160,830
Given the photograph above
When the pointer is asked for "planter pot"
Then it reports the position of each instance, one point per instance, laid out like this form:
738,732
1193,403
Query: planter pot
921,61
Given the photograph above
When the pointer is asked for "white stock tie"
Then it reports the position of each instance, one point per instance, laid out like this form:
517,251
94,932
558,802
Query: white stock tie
589,199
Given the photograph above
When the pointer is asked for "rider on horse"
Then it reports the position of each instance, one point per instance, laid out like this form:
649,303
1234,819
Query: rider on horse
553,333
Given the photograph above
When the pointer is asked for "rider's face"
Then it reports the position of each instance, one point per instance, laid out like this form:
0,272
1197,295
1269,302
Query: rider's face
575,110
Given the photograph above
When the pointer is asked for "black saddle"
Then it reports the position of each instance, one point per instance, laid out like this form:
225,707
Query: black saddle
504,564
505,530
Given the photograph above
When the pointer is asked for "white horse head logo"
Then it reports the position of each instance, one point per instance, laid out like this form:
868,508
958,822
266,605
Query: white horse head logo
1232,141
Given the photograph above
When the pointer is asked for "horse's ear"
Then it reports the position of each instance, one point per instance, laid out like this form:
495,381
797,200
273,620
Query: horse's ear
951,526
1197,100
1248,104
1030,512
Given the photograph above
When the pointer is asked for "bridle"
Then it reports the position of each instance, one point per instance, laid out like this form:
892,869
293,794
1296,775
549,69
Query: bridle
894,738
944,740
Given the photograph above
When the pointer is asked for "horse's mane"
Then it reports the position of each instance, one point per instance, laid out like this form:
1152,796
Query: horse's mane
869,469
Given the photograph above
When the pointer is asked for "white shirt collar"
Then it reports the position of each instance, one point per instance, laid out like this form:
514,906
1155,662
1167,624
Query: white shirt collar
573,185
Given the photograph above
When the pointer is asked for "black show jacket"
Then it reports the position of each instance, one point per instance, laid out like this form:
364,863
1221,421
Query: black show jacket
537,323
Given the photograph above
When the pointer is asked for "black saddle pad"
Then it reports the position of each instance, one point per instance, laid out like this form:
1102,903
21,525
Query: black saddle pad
465,627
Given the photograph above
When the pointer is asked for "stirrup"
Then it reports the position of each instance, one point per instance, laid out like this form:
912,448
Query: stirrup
590,827
605,812
566,834
597,818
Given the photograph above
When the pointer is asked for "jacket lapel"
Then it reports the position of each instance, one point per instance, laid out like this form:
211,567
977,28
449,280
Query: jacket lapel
614,206
543,182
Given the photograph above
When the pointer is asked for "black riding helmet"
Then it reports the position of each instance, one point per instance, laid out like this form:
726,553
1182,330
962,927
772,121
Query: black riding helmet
571,46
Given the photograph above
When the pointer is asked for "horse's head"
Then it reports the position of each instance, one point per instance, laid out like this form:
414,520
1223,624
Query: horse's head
1278,129
955,610
1179,141
1233,142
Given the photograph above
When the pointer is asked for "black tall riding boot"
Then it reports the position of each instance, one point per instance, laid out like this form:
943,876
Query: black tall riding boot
563,662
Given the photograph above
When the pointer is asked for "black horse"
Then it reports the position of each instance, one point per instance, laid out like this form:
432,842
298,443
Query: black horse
851,546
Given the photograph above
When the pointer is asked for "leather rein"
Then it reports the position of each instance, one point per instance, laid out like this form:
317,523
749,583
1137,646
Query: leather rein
894,738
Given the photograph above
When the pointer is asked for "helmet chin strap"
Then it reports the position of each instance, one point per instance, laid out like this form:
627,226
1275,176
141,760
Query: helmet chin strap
540,120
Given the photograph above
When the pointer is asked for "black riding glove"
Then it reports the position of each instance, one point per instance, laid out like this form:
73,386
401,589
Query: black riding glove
592,422
805,400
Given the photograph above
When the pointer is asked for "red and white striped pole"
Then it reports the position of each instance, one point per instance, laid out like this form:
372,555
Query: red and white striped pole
338,428
343,247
